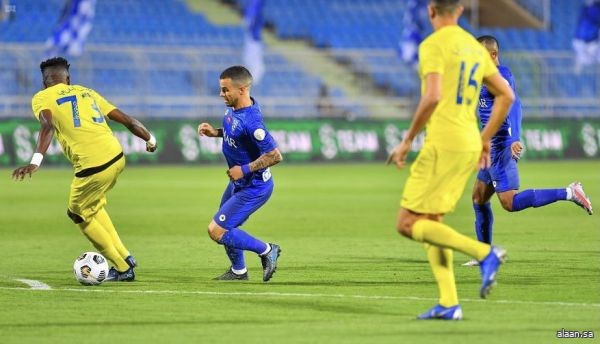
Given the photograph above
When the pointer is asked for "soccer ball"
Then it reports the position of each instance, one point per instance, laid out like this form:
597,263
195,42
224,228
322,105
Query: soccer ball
90,268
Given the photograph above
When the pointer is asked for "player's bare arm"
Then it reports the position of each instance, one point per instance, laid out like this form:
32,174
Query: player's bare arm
266,160
431,97
44,140
503,99
205,129
135,127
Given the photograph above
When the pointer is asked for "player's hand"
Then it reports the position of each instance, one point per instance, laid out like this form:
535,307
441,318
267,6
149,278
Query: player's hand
19,173
399,153
205,129
484,160
516,149
235,173
150,148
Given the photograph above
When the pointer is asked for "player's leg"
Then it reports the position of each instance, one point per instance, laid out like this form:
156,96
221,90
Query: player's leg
237,270
534,198
436,182
224,228
102,216
87,197
506,178
98,236
104,219
440,260
484,218
420,228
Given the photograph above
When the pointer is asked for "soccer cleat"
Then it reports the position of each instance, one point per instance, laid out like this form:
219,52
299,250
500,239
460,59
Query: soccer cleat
489,268
131,261
116,276
579,197
442,313
472,262
231,276
269,262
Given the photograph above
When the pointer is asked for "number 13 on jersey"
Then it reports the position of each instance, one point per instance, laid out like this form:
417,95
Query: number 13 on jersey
461,89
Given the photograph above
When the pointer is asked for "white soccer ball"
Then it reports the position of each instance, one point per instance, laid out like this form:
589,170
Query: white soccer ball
90,268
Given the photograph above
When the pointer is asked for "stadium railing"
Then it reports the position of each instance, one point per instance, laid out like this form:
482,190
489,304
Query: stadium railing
165,82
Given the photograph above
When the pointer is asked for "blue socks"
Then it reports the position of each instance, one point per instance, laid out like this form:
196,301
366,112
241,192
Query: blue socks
484,221
236,257
484,218
238,239
537,198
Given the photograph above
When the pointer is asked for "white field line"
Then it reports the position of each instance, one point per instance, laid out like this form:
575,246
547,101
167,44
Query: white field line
34,284
307,295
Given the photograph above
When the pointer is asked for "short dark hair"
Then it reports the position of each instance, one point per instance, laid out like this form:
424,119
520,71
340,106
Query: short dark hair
240,75
445,6
55,62
488,39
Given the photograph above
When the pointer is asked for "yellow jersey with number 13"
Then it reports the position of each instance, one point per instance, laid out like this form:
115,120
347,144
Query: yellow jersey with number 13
463,63
78,115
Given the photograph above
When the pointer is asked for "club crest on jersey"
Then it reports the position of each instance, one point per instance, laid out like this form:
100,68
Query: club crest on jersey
228,119
235,124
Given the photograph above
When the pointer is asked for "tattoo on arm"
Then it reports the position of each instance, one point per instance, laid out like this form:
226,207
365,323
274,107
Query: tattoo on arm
266,160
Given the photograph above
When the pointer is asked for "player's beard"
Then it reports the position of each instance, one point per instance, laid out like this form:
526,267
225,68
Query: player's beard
230,102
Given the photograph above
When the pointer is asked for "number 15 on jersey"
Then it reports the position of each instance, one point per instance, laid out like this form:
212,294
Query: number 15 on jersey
461,89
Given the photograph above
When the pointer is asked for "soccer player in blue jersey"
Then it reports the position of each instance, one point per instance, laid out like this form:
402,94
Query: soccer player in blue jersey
502,177
249,150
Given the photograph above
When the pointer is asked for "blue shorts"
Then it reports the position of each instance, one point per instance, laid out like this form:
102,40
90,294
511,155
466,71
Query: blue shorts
238,204
503,174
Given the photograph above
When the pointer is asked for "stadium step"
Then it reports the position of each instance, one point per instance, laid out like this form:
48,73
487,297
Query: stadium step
313,61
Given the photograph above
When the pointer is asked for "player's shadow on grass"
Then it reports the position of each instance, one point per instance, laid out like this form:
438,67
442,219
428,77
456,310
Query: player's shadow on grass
380,260
335,305
349,283
88,324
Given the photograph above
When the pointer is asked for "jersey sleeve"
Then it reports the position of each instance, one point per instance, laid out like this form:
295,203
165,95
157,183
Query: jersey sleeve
259,134
38,103
508,76
515,117
431,58
104,106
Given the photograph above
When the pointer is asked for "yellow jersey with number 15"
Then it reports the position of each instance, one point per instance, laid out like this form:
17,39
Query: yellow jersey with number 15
463,63
78,116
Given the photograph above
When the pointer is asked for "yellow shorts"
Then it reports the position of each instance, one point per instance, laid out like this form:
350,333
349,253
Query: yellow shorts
437,180
88,194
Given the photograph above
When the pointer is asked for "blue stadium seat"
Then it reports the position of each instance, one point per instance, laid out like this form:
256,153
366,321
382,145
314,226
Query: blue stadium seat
366,26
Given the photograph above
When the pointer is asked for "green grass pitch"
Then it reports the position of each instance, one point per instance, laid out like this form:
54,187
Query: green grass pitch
344,276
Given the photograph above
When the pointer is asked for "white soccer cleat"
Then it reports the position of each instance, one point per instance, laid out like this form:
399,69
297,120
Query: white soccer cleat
472,262
578,197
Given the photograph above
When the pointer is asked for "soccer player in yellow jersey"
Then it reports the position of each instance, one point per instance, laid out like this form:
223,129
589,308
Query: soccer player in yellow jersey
452,67
75,115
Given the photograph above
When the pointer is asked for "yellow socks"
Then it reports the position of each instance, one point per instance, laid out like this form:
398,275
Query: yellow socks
94,231
104,220
440,260
439,234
